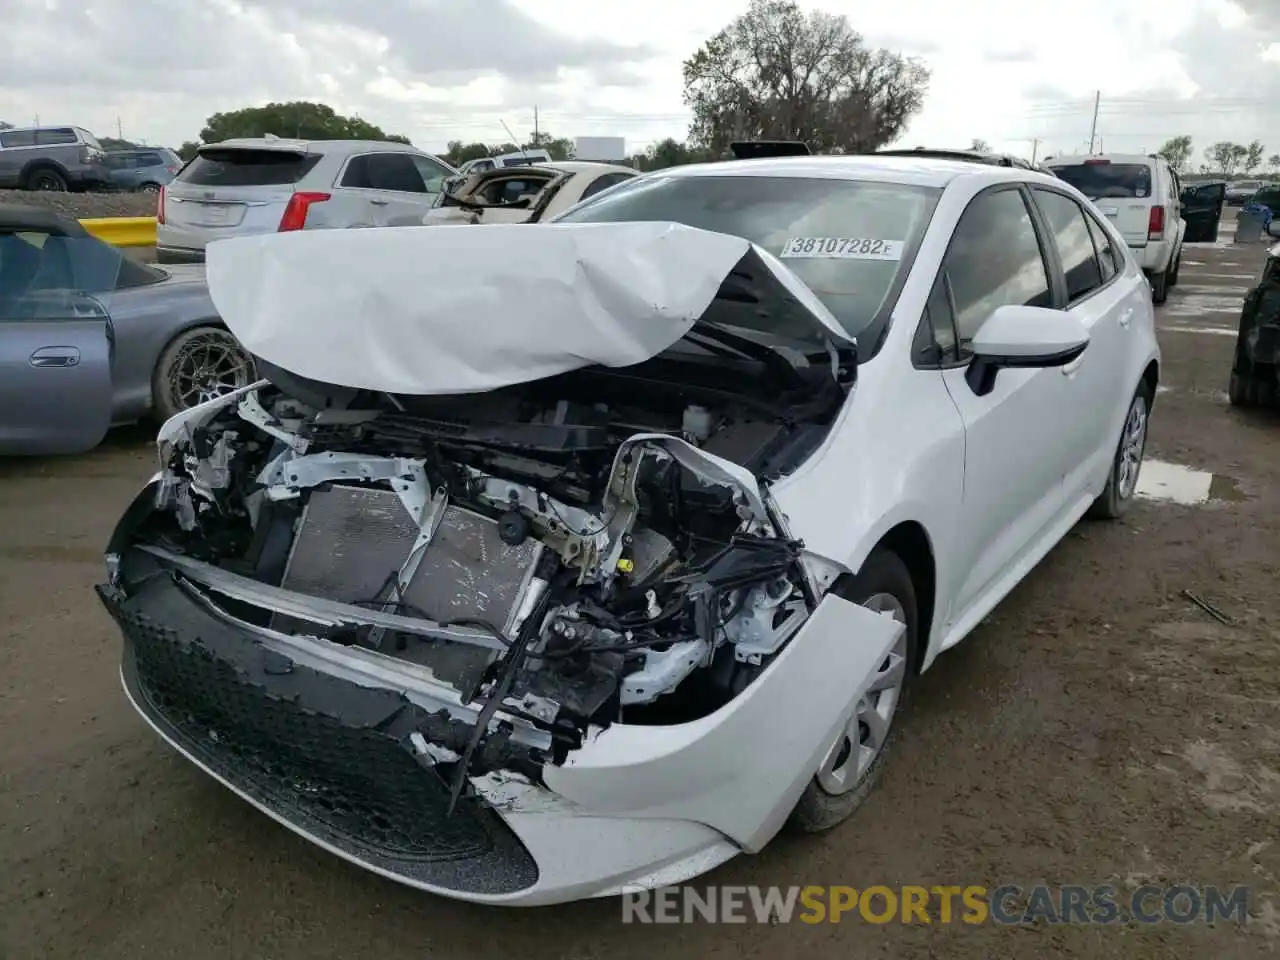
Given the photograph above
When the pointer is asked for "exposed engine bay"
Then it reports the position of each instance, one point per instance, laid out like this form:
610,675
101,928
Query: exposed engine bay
571,563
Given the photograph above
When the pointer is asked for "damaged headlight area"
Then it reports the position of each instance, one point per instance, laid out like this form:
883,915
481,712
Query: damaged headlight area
526,578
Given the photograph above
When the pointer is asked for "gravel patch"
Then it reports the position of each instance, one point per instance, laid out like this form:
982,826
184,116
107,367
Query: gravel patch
82,206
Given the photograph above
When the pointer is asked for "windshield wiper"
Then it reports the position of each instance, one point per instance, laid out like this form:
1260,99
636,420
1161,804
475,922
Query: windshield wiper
774,360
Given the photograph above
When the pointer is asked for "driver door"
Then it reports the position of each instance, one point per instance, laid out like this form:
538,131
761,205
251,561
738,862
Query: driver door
55,350
1202,211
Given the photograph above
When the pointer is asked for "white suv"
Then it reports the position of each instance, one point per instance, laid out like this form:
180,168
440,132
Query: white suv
270,184
1140,195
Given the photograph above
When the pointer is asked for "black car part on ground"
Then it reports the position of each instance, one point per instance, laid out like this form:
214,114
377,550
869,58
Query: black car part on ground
1255,372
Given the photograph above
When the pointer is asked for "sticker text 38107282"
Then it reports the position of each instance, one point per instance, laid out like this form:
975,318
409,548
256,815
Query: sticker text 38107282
841,248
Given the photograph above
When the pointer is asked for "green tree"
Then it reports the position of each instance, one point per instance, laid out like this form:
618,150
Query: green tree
980,146
1177,151
1253,156
459,153
778,73
5,126
298,118
188,149
1225,156
1273,161
559,148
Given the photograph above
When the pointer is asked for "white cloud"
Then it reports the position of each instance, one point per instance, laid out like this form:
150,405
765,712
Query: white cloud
1006,71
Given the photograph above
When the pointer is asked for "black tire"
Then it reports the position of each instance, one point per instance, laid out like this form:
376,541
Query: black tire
165,399
883,573
149,188
1175,269
1160,286
1114,501
1252,391
48,179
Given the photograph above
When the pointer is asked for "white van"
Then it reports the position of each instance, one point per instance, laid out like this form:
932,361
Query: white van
1139,194
522,159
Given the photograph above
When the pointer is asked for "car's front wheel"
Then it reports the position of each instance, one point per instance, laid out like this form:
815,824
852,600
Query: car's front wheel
199,364
1127,462
856,758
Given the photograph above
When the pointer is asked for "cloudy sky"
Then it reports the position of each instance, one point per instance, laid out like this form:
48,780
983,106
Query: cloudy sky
1007,71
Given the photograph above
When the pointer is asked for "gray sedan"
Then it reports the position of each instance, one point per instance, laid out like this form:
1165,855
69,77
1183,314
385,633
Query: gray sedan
90,338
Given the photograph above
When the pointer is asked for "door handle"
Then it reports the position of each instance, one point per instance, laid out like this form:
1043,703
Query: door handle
1126,317
379,203
55,357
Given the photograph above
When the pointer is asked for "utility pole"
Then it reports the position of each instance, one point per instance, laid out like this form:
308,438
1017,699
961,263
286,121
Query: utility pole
119,128
1035,150
536,141
1093,131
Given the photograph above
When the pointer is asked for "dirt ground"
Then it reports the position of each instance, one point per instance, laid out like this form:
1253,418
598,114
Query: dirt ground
1099,728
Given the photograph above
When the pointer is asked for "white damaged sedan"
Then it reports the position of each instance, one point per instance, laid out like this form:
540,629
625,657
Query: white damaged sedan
553,560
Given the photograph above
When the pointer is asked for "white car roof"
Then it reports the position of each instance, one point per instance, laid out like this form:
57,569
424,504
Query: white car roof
920,171
585,166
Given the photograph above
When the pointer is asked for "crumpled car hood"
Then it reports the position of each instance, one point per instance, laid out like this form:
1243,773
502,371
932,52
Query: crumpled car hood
429,311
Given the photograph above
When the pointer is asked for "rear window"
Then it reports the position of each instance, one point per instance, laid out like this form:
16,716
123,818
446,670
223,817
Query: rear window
238,167
1110,180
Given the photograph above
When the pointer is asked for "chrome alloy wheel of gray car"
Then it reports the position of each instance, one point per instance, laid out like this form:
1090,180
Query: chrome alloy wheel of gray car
201,364
858,745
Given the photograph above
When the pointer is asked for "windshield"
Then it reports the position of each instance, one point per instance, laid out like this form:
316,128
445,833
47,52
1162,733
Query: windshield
850,241
89,139
1109,180
247,167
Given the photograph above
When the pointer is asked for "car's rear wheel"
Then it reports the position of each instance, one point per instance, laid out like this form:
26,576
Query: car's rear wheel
1126,464
856,759
199,364
1175,269
46,179
1160,286
1252,390
149,188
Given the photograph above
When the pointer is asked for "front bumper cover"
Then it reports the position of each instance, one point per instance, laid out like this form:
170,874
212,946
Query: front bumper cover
334,759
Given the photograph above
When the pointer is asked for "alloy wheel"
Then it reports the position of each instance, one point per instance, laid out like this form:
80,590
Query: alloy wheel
862,740
208,366
1133,444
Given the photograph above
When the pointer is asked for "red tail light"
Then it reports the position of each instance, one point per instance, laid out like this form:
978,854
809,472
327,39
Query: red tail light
295,214
1155,226
160,206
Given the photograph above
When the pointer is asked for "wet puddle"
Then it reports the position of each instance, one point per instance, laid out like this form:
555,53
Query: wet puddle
1173,483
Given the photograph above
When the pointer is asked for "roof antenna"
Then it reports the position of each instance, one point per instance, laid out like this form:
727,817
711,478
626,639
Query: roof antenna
514,139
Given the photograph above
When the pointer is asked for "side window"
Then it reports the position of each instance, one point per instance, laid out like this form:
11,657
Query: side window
936,343
1110,259
1071,237
994,261
394,171
56,136
356,175
19,138
604,183
433,174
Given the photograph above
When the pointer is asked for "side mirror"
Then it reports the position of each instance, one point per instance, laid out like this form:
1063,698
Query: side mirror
1015,336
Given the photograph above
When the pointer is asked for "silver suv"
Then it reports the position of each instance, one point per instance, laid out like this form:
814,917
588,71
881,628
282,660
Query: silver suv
269,184
52,158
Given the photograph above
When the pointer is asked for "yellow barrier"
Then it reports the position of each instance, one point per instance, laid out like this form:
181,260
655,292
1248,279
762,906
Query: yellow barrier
123,231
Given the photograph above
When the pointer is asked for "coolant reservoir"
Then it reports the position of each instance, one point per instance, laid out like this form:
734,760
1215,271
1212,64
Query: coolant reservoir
696,423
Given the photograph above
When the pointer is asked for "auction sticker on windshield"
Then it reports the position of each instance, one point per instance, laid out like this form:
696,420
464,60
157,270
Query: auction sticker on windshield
841,248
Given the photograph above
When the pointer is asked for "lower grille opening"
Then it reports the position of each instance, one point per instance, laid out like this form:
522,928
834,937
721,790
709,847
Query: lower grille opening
324,754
